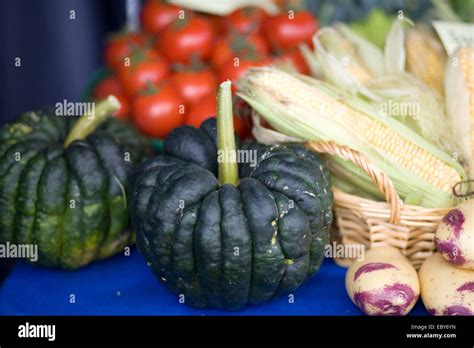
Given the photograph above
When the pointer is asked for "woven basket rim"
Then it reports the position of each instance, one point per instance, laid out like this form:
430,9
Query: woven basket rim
378,177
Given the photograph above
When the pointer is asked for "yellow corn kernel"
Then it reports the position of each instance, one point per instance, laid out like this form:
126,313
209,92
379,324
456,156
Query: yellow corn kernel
465,59
426,59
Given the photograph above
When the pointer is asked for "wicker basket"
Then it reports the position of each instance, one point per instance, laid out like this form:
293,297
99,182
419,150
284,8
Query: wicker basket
372,223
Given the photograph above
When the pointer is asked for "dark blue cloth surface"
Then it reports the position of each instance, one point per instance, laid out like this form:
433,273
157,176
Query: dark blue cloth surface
123,285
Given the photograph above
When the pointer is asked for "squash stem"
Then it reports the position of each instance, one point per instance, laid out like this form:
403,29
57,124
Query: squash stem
89,122
226,152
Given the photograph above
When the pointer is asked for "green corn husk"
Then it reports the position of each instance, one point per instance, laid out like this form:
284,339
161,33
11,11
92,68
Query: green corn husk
309,109
351,63
344,59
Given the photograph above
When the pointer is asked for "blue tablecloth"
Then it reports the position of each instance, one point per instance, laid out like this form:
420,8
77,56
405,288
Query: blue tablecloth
123,285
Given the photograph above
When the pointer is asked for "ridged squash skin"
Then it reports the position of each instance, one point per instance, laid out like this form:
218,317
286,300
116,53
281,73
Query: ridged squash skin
228,246
71,202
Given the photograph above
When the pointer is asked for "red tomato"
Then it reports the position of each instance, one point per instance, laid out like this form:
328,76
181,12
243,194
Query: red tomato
207,108
200,112
296,58
157,111
232,70
240,128
257,44
124,112
218,25
187,38
119,47
110,85
238,46
106,86
246,20
194,85
243,112
146,66
287,30
156,16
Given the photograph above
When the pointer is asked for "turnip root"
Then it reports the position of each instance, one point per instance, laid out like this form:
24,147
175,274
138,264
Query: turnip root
454,238
384,283
446,289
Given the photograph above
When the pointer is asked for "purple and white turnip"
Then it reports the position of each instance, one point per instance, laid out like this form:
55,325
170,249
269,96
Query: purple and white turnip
446,289
454,238
384,283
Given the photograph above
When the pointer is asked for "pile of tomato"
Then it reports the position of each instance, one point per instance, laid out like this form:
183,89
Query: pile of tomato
167,74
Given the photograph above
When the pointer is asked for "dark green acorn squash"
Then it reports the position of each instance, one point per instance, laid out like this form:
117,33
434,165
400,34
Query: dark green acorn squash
224,245
71,201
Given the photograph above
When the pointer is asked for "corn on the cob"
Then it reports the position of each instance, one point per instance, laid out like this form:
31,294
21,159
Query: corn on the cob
426,58
459,90
346,52
344,59
466,62
312,110
415,105
349,62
